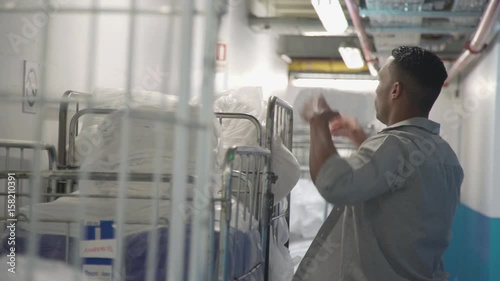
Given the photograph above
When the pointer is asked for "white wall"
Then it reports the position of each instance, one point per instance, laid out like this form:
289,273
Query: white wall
252,60
495,192
11,74
444,112
479,108
81,56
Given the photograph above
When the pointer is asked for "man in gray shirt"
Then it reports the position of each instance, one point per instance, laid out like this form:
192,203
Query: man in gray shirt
395,198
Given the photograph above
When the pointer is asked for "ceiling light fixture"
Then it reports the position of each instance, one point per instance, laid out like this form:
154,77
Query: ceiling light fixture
351,56
317,33
331,15
352,85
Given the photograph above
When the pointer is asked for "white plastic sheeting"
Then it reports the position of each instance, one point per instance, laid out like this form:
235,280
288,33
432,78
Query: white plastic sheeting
247,100
286,167
241,132
307,214
281,267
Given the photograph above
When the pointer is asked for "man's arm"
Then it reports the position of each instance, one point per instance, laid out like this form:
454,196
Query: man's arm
348,127
368,172
372,170
321,144
318,114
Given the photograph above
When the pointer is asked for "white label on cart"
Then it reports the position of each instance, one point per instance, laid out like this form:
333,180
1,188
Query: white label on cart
98,248
92,223
98,272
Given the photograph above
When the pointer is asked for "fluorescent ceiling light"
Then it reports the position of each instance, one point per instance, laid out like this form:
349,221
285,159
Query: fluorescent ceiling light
352,57
317,33
366,86
331,15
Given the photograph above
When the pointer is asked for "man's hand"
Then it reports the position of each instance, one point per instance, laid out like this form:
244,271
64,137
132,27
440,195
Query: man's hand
317,108
349,127
318,114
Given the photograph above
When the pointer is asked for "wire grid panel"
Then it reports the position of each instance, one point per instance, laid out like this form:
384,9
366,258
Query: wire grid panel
17,156
99,207
246,205
222,116
66,134
279,122
94,215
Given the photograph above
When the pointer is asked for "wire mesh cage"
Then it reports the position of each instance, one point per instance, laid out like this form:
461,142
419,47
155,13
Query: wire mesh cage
127,181
250,190
143,208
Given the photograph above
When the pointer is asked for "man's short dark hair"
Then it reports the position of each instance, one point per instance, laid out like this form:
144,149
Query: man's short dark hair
425,71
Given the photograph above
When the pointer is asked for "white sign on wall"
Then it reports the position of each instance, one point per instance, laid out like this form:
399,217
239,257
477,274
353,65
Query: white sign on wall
30,87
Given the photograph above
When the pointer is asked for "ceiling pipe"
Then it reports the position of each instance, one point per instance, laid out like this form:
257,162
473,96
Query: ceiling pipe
301,26
478,42
359,28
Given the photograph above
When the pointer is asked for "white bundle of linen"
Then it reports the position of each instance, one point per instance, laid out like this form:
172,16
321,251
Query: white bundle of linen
150,143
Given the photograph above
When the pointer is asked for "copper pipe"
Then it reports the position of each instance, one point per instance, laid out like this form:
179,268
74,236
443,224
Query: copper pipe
359,28
478,42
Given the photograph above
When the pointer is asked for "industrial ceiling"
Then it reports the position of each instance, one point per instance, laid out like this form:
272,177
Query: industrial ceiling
443,26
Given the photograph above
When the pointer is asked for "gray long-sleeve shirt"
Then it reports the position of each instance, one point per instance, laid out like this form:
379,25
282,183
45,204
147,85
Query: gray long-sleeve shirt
400,191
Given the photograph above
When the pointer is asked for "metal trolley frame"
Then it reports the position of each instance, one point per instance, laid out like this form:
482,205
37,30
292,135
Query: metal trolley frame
258,174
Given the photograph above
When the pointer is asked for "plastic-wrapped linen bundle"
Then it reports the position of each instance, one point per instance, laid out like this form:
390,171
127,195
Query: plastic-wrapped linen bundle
110,98
106,156
246,100
144,133
116,98
239,132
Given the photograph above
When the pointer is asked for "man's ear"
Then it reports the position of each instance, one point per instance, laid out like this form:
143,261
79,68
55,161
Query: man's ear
396,91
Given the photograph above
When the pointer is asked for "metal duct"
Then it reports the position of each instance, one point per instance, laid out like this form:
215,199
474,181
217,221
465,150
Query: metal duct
300,26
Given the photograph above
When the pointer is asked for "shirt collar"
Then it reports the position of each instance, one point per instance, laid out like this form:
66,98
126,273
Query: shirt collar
420,122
